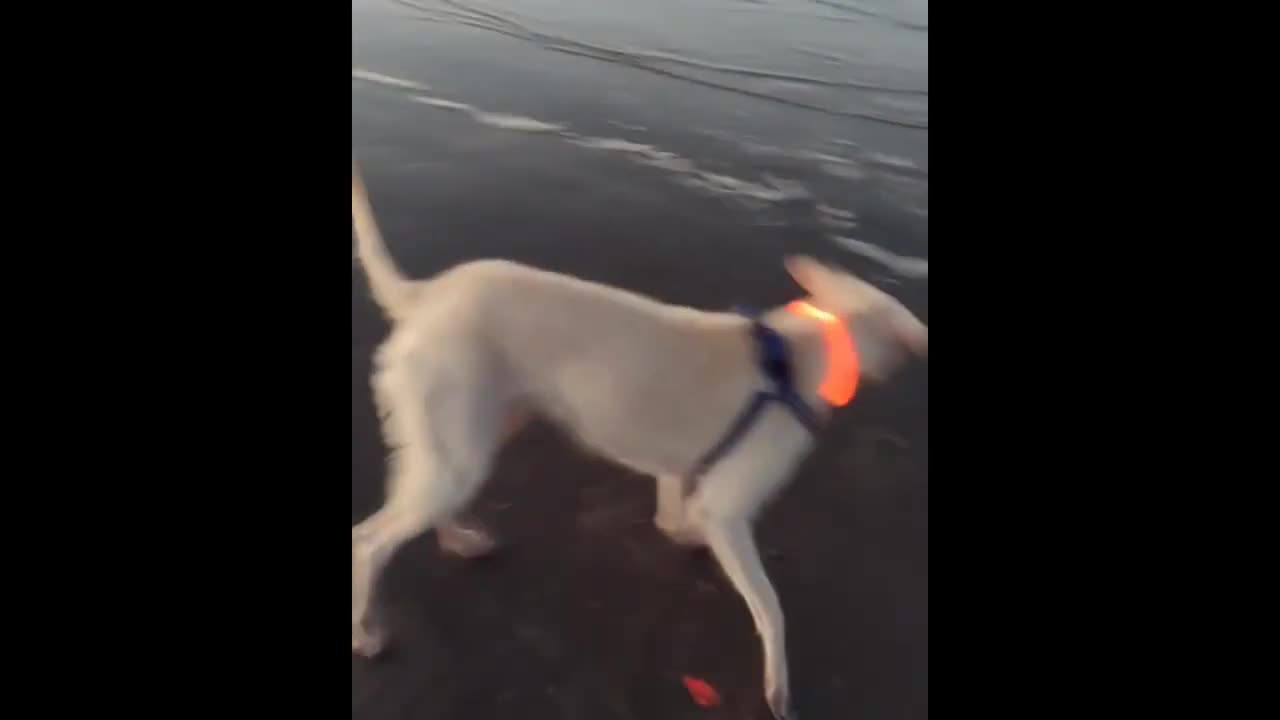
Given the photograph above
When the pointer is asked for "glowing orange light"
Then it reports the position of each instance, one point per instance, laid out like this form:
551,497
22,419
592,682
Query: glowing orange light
841,380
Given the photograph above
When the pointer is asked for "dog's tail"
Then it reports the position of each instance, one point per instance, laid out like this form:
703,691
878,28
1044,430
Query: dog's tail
391,289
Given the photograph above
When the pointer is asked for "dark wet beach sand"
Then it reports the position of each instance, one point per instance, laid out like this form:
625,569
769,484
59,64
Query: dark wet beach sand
588,612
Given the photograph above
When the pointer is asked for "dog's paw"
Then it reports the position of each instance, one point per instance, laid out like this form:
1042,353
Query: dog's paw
367,642
780,705
682,535
465,541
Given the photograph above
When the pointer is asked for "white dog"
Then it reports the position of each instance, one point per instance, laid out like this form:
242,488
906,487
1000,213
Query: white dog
651,386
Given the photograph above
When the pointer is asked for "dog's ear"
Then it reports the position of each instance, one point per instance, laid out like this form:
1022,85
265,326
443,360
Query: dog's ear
835,288
807,272
844,292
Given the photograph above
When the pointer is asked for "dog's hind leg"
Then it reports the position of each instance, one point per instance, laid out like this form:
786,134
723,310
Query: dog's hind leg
438,467
469,538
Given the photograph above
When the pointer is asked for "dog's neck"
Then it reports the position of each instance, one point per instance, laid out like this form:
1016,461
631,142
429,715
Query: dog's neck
824,363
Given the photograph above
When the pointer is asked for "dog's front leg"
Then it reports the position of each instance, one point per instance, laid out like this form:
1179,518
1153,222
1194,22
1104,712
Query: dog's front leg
731,542
672,516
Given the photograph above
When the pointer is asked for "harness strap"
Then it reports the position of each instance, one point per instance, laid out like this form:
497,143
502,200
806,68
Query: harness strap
775,362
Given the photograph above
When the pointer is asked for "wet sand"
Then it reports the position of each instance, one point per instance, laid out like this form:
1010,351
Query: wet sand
588,612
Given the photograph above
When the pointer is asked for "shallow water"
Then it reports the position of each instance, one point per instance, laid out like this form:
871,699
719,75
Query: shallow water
819,102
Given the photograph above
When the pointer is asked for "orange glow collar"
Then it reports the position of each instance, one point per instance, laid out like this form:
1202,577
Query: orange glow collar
840,382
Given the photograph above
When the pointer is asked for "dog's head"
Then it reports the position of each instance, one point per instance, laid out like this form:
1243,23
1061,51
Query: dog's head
885,330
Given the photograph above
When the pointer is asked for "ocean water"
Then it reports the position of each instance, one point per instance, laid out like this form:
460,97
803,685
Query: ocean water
773,104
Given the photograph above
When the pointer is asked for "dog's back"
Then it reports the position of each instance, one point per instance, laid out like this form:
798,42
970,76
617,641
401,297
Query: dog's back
637,380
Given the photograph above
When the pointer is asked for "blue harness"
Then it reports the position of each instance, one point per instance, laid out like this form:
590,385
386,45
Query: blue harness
775,362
